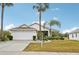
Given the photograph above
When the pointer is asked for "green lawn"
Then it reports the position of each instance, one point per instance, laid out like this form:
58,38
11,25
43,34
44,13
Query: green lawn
55,46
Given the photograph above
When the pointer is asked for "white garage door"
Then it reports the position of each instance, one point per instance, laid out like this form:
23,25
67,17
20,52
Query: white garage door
23,35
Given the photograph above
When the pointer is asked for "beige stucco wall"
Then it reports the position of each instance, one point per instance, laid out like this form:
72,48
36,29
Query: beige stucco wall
36,26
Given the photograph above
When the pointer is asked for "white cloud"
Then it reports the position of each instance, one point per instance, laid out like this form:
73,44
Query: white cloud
70,30
55,9
55,18
42,22
9,26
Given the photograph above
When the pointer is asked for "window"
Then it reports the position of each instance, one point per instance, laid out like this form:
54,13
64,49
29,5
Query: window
76,34
72,36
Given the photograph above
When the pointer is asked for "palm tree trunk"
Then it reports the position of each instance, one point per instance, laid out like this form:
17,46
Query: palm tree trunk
2,14
50,31
40,29
40,21
40,25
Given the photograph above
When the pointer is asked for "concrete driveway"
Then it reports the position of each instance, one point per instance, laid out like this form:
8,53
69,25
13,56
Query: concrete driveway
13,45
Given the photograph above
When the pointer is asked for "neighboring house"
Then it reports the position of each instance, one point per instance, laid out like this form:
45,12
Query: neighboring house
25,32
74,35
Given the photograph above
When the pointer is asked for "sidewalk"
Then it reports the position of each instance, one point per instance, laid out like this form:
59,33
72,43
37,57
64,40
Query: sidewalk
35,53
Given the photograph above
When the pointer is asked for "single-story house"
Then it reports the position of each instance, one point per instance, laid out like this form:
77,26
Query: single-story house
74,35
25,32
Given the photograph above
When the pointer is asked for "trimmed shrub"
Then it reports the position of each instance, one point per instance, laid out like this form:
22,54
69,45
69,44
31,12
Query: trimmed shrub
48,38
4,38
40,35
45,38
62,38
53,38
34,38
56,38
10,37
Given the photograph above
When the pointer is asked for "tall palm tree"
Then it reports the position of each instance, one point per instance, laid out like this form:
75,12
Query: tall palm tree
2,15
41,7
52,23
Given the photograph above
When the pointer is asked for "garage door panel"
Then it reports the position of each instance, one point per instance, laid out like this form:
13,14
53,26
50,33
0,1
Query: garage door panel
23,35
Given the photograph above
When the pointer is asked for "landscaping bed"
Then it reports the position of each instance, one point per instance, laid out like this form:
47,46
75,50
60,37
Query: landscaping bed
54,46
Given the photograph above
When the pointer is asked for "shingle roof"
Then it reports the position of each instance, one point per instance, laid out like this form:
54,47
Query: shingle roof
75,31
39,24
22,27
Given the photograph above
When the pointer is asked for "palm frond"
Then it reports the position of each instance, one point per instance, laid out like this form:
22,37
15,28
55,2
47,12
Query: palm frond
41,6
34,7
8,4
54,22
46,5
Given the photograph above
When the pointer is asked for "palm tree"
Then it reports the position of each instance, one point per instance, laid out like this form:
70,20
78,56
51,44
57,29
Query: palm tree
41,7
2,15
52,23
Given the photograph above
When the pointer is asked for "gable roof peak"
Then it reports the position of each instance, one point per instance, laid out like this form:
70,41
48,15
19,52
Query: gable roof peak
23,25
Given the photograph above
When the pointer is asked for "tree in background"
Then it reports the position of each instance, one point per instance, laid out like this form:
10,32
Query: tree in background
53,23
66,35
55,33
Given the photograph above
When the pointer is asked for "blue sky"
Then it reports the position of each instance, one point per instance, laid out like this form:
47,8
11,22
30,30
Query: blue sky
67,14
